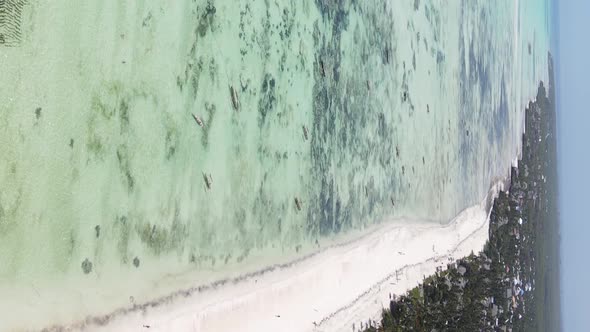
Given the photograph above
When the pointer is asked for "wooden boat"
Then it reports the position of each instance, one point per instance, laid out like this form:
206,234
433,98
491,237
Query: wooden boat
208,180
199,121
234,98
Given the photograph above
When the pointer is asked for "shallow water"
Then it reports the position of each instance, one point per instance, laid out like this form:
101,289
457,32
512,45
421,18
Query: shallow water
102,166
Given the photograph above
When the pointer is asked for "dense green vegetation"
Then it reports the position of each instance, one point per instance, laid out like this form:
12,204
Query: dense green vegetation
513,284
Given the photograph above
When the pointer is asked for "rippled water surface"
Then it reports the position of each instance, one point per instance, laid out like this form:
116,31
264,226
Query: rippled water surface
319,117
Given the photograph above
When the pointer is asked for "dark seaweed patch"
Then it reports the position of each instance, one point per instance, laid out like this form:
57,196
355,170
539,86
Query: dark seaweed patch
94,144
163,239
501,119
440,57
210,109
147,20
338,132
122,227
170,142
206,20
268,100
124,114
213,69
123,158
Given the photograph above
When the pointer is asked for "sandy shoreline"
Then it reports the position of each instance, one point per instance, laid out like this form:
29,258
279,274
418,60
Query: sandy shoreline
334,289
346,282
330,291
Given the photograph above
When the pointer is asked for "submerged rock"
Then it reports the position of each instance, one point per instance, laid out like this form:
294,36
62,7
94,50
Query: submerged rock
86,266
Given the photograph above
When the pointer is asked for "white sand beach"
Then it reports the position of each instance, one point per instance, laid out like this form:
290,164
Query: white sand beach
335,290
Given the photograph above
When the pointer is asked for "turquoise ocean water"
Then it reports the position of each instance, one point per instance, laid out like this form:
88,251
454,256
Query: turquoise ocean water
319,118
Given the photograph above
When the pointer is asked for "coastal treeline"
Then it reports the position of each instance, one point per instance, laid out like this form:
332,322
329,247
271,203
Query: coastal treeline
512,284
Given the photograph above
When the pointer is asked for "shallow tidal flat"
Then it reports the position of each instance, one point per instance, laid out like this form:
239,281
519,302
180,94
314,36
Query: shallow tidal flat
319,120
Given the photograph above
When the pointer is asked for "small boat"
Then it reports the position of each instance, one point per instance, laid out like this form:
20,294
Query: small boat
234,98
199,121
297,204
208,180
322,68
305,133
392,201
